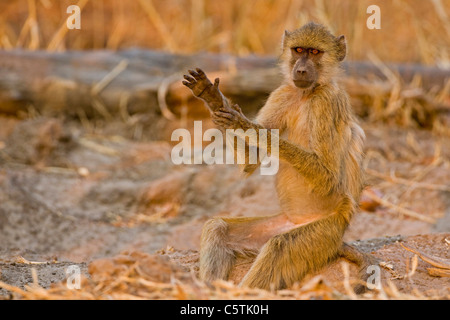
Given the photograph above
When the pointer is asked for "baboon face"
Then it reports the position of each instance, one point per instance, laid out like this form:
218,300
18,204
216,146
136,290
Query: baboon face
305,64
311,54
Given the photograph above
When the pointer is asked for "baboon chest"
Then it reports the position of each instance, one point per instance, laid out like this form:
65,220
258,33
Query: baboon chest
298,129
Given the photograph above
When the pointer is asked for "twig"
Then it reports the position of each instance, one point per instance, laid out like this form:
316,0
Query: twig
420,185
414,263
437,272
155,18
102,84
442,14
100,108
397,208
21,259
62,31
30,27
35,278
162,93
98,147
434,261
13,289
436,161
346,281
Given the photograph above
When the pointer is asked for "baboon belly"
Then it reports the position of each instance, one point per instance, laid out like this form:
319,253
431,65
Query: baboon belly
297,195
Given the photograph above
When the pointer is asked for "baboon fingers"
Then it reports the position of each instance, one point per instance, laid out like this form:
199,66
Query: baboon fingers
201,73
188,84
196,76
249,168
236,107
220,114
222,124
189,78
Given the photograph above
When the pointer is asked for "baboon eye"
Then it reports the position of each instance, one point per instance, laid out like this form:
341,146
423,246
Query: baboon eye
299,50
314,51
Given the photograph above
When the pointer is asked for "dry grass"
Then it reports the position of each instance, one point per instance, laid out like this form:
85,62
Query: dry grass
140,276
411,31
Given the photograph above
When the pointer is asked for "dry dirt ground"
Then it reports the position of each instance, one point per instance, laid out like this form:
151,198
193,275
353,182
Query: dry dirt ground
111,205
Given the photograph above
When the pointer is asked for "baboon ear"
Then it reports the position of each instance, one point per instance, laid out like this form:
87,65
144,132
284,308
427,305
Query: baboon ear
341,48
286,34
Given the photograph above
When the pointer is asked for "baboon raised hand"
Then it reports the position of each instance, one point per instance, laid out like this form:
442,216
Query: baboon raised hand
320,178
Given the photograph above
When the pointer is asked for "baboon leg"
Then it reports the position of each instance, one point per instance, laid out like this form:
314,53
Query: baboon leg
223,239
286,258
362,260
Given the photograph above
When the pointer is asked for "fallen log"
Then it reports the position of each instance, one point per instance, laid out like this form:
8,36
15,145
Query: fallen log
96,81
106,83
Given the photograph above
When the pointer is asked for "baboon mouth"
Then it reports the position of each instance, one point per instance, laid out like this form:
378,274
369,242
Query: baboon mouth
303,83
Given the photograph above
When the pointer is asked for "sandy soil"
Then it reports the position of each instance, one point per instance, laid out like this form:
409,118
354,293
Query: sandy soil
72,197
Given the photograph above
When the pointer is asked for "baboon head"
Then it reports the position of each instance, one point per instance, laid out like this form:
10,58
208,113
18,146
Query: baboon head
311,55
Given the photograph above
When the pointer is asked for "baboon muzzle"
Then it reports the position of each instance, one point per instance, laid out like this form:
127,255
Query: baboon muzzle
304,74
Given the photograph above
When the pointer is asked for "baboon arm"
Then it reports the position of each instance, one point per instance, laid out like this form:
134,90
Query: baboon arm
321,166
205,90
271,116
321,163
310,164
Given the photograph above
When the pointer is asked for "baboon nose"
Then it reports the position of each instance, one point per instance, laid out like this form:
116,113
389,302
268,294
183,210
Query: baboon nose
301,71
